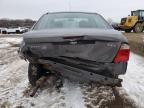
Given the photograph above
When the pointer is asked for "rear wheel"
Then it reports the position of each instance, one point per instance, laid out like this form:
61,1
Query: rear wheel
128,30
35,71
138,28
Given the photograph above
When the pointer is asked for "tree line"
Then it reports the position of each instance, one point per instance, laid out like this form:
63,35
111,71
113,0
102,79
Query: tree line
6,23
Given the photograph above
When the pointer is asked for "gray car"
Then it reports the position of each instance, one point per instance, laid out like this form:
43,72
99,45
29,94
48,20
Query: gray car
75,45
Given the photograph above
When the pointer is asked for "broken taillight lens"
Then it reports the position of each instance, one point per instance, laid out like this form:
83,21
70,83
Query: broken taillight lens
123,54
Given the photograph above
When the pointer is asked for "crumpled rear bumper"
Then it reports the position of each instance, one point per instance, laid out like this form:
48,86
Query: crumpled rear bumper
79,73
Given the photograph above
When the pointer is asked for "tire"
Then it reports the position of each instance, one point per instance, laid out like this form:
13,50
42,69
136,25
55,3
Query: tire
18,32
128,30
143,25
35,71
4,32
138,28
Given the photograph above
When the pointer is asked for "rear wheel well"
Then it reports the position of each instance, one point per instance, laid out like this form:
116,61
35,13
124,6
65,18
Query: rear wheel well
35,71
135,24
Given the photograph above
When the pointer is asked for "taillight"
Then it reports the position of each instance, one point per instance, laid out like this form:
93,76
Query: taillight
123,54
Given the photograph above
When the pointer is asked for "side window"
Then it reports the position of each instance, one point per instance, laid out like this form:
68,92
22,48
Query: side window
142,13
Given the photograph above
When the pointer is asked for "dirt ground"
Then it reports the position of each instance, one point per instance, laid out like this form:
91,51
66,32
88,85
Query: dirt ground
136,41
14,87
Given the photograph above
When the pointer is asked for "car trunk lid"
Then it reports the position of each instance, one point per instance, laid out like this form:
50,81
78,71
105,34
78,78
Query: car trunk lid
92,46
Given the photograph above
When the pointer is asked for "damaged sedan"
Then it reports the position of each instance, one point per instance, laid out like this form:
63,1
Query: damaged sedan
75,45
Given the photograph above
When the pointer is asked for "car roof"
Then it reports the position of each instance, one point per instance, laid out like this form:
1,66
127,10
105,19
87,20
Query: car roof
138,10
72,12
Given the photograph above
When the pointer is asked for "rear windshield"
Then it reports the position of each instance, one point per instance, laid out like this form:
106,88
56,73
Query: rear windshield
71,20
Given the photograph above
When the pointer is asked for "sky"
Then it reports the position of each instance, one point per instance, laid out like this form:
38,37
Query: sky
33,9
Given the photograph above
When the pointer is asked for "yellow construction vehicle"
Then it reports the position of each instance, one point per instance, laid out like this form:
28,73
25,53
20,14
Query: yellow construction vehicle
134,22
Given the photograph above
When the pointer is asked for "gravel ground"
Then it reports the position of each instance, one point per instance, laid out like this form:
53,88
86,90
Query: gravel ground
15,89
